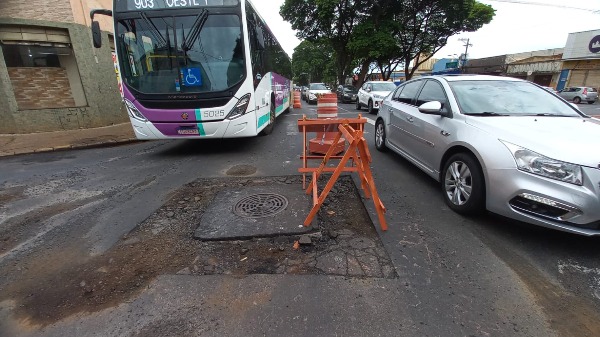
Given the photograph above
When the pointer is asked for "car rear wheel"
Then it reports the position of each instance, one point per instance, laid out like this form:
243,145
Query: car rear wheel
357,104
370,107
576,100
463,185
380,136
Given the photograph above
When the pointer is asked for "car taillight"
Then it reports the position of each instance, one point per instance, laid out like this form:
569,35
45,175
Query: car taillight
585,91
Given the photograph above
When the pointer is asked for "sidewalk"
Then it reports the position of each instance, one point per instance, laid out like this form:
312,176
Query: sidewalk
12,144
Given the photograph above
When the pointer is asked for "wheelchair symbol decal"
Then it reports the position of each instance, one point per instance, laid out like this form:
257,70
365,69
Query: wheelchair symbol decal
192,77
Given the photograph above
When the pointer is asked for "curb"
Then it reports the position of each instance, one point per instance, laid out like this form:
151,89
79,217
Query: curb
71,147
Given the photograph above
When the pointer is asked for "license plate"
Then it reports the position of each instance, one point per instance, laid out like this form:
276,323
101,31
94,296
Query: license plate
188,131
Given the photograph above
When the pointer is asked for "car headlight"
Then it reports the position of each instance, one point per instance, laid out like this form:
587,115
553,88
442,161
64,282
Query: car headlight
134,112
240,107
533,162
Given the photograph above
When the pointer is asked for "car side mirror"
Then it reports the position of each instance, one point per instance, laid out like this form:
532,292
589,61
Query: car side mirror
431,108
96,34
368,89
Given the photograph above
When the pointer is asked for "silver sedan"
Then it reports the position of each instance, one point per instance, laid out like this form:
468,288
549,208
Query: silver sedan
501,144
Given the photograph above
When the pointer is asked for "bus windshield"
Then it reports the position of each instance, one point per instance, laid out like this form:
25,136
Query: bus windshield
181,54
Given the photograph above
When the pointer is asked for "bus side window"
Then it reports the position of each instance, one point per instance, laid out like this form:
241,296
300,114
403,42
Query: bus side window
256,54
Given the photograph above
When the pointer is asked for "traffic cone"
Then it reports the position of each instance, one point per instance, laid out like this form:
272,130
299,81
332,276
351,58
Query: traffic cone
326,108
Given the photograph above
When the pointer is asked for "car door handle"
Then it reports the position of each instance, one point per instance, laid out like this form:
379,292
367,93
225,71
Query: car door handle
390,109
410,119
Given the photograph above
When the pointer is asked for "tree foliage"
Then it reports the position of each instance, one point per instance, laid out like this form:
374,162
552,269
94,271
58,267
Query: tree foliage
329,21
388,33
314,61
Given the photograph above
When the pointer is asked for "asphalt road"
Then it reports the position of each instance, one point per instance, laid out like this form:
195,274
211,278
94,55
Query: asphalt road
458,276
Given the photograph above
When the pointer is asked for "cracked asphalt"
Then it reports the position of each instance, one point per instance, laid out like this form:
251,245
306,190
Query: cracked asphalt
67,213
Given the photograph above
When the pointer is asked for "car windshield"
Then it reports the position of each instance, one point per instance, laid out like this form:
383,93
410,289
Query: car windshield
490,98
181,54
384,86
318,86
349,88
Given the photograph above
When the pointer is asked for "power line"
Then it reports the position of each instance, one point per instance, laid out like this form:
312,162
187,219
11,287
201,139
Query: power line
522,2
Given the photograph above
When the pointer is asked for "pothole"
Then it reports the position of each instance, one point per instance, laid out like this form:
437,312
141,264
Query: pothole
343,241
241,170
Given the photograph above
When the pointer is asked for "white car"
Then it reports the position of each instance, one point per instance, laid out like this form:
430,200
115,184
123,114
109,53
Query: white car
501,144
372,93
314,90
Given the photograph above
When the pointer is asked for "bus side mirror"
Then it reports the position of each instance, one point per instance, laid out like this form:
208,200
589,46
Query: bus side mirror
96,34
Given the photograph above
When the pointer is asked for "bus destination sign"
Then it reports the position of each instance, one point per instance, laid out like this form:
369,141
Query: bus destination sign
175,4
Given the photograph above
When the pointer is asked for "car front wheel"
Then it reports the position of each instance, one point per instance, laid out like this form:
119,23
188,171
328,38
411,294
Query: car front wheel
463,185
370,107
357,104
576,100
380,136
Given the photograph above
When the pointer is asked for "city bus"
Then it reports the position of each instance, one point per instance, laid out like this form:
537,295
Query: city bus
197,68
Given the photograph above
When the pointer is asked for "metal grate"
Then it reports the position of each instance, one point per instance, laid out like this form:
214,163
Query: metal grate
260,205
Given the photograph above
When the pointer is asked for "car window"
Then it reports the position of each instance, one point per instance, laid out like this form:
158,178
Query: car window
318,86
397,93
509,98
592,89
433,91
409,92
389,86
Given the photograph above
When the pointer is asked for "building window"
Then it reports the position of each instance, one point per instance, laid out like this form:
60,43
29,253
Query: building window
44,75
33,56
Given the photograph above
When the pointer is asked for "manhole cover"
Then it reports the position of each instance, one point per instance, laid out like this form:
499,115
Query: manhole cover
260,205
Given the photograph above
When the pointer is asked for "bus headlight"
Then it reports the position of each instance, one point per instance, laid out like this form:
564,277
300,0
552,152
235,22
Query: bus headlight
240,108
134,112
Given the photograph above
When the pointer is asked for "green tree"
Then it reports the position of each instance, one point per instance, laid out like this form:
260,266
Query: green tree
422,27
314,61
329,21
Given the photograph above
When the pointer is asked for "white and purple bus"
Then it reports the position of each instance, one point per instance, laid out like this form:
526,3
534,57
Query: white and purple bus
197,68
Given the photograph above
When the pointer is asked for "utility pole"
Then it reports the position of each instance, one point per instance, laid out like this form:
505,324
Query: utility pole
464,61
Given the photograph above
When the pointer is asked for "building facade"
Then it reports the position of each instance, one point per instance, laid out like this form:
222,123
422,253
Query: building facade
51,78
581,60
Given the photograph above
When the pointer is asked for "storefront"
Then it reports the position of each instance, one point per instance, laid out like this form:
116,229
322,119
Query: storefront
581,60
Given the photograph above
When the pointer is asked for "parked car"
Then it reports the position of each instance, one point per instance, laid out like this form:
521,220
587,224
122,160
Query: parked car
315,89
579,94
346,93
303,93
372,93
501,144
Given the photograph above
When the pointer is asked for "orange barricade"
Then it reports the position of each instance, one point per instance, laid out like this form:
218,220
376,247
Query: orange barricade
297,101
326,108
357,155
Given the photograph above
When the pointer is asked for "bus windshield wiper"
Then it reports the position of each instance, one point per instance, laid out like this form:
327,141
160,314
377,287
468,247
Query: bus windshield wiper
485,114
195,30
153,27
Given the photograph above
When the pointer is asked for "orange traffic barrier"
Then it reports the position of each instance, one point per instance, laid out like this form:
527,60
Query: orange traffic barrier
297,101
326,108
357,158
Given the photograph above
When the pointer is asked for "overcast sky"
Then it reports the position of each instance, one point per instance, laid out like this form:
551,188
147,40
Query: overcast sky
515,28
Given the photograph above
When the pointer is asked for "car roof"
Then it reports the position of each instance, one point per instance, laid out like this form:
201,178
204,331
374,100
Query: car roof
380,82
457,78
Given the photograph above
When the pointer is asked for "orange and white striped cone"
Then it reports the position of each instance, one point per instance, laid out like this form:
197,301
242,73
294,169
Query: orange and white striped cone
297,102
326,108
